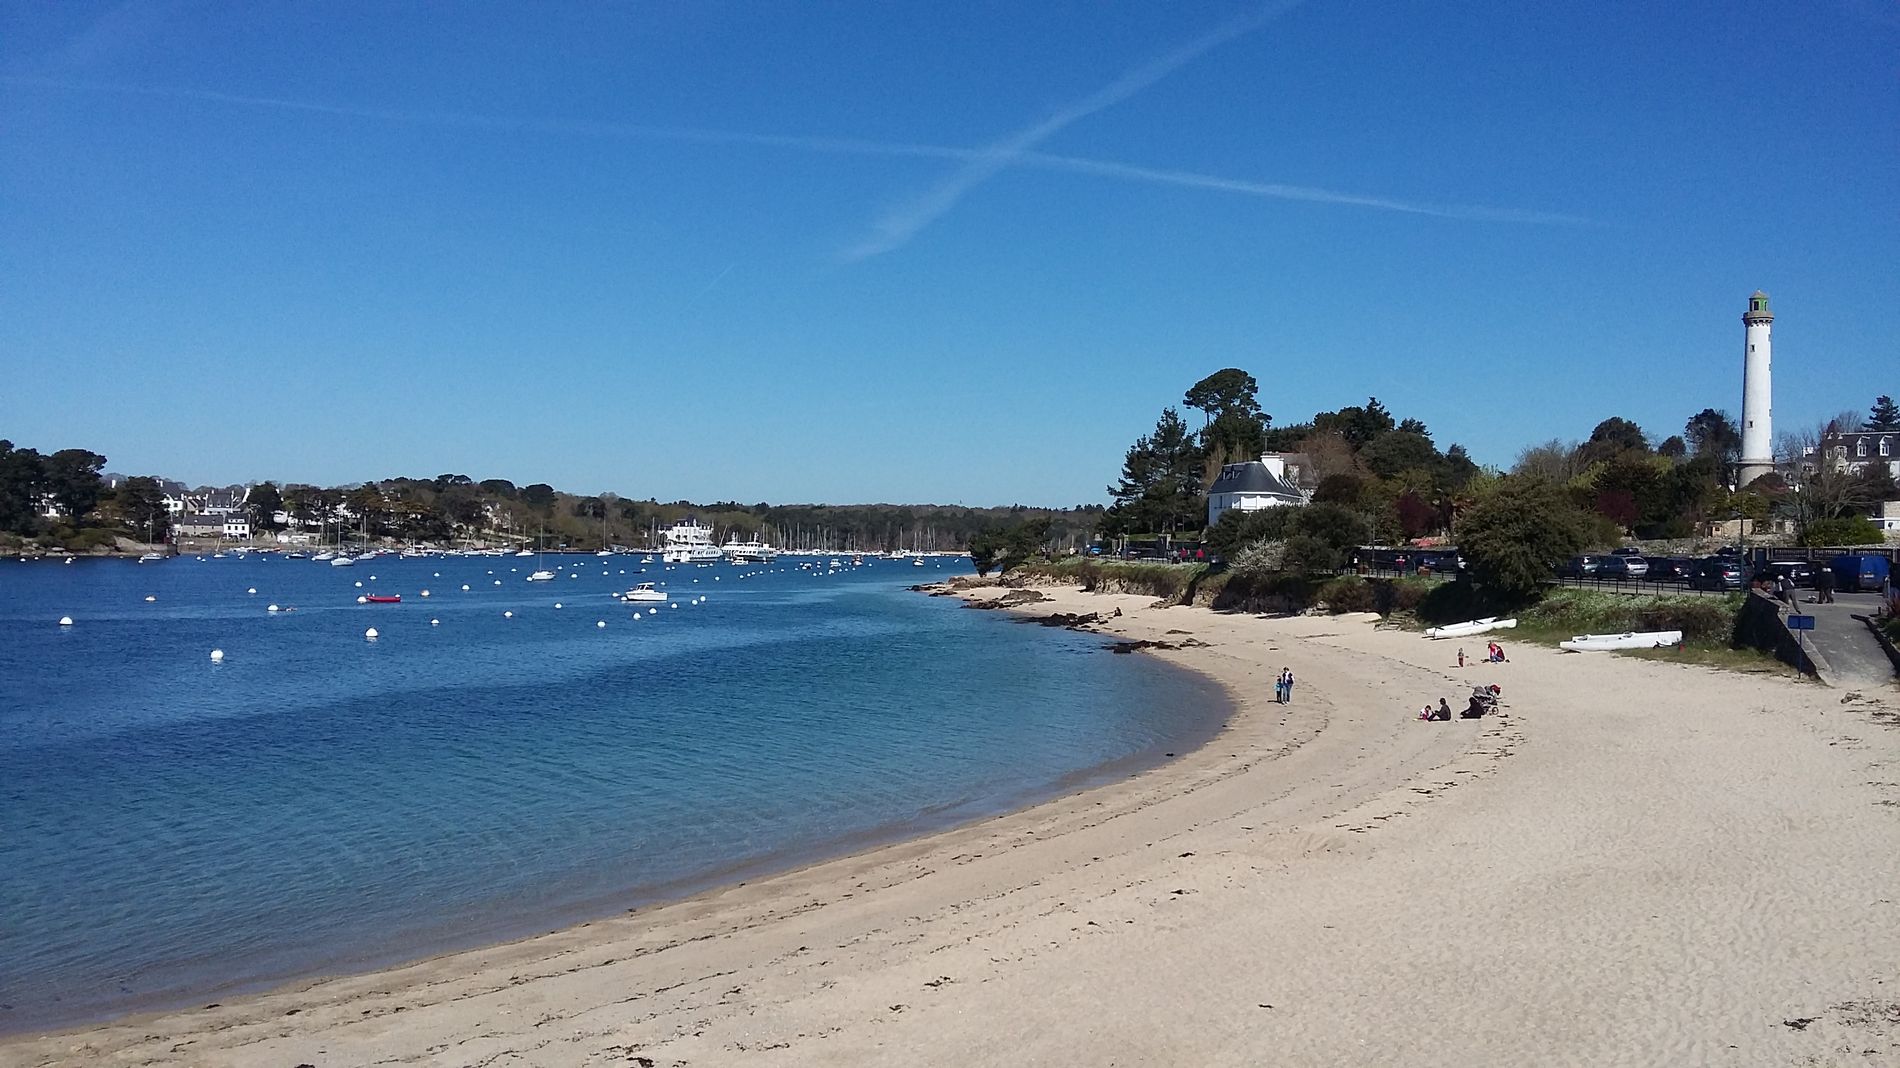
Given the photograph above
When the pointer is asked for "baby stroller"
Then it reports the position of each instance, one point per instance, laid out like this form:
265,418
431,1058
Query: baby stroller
1484,701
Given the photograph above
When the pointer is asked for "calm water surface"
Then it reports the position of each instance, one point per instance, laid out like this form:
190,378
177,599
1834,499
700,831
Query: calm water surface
172,830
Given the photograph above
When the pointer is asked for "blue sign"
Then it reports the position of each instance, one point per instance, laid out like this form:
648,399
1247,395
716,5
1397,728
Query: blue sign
1800,622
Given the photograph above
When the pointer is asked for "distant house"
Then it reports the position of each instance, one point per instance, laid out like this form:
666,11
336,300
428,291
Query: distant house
1856,450
1887,516
198,525
1276,480
237,526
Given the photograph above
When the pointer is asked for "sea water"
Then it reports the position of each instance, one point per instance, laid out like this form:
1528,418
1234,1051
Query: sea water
174,829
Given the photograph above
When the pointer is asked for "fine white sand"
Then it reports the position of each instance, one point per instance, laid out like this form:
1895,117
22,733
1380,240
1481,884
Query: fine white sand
1636,863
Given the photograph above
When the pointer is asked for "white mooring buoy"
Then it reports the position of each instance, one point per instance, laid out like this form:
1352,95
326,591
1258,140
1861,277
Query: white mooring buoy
435,622
217,656
507,615
600,623
370,634
65,621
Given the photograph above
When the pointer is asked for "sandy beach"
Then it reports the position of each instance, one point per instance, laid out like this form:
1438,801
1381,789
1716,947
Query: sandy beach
1634,863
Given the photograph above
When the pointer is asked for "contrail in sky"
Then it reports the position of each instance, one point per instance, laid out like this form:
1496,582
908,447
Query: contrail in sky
846,146
899,225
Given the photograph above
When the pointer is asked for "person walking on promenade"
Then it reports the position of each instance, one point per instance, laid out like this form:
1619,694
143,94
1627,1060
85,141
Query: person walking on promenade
1824,585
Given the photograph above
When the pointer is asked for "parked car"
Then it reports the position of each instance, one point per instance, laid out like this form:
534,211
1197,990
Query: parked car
1799,572
1441,562
1718,573
1581,566
1626,550
1622,567
1670,568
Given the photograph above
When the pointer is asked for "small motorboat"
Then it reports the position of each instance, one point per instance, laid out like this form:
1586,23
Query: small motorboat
643,592
342,561
151,558
375,598
541,576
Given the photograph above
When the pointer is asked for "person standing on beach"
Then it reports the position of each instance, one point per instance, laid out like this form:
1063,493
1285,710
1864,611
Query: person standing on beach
1286,686
1279,689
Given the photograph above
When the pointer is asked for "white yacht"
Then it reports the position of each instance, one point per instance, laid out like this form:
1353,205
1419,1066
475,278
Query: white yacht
541,576
151,558
748,552
342,561
643,592
690,543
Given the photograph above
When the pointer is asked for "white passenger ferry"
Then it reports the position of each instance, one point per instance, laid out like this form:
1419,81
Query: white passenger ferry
690,543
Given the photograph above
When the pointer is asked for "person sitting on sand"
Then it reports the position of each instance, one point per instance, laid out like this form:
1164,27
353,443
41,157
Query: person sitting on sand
1444,710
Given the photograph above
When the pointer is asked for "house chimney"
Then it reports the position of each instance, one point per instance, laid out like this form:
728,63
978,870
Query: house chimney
1275,465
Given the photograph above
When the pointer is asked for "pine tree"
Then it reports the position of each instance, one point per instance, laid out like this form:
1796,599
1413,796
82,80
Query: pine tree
1884,416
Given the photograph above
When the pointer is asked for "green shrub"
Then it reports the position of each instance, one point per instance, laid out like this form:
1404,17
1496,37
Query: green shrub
1458,602
1854,530
1277,591
1238,529
1308,553
1706,620
1347,593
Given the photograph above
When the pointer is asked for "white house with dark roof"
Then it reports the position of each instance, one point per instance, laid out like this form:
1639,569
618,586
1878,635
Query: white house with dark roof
1276,480
1856,450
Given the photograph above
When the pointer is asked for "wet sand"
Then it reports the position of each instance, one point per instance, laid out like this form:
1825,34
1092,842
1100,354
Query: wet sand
1635,863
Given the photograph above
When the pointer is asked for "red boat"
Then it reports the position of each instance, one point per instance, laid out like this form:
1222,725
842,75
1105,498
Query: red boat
374,599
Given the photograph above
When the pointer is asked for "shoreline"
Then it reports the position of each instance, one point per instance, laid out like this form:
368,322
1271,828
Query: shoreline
1635,862
649,899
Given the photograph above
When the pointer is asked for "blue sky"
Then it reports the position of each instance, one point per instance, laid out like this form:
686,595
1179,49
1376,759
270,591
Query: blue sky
917,252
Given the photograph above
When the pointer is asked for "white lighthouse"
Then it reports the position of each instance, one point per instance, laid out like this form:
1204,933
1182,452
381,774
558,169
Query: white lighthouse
1758,450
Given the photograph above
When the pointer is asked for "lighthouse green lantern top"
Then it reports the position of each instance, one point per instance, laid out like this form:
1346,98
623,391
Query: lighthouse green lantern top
1758,307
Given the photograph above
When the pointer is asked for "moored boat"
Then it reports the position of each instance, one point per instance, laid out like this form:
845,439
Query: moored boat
645,591
689,543
373,598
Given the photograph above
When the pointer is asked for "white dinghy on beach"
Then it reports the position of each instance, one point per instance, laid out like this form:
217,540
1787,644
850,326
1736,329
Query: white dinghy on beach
1466,630
1602,643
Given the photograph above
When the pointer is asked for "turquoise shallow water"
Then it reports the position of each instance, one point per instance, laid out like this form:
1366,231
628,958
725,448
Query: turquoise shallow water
175,830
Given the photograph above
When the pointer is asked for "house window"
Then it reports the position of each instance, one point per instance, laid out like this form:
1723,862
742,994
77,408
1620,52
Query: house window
1860,447
1886,446
1751,348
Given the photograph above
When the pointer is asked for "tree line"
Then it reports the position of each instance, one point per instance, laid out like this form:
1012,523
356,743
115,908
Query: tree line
452,508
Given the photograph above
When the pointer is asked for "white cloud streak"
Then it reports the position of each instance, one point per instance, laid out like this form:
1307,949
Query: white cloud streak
898,225
844,146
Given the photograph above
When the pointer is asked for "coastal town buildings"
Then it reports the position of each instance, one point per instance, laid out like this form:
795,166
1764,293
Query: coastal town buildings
1857,450
1276,480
